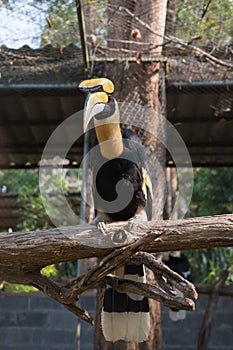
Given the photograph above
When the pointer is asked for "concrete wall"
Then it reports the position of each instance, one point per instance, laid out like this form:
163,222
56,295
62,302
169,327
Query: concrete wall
183,335
37,322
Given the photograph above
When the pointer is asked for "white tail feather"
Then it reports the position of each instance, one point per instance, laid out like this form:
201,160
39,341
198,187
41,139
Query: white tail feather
138,326
114,325
130,326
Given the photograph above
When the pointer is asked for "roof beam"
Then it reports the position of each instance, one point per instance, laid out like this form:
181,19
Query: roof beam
197,87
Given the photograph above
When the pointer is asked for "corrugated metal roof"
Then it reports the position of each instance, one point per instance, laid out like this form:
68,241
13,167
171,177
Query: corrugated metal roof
29,115
200,108
202,114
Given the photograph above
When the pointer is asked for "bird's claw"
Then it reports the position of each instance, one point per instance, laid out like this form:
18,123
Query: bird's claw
101,225
131,222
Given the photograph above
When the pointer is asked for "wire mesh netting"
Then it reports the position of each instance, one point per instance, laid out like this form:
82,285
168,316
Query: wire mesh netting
175,56
35,38
21,202
188,43
133,29
196,45
37,23
198,35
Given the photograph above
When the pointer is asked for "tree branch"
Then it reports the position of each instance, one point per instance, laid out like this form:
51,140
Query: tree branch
150,291
54,290
225,291
30,251
198,51
161,270
22,255
108,264
208,316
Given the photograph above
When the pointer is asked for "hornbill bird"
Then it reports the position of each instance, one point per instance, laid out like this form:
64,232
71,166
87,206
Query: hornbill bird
121,191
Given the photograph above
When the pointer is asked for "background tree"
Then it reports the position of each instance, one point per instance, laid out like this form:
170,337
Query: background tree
30,210
139,86
61,29
208,19
212,194
211,23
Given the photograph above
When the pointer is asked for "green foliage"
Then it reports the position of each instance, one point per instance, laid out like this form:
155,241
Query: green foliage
67,269
62,28
31,212
208,264
216,26
212,194
49,270
6,3
14,179
18,288
22,288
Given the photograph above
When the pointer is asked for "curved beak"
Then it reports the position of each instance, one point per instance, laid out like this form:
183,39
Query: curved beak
97,84
93,104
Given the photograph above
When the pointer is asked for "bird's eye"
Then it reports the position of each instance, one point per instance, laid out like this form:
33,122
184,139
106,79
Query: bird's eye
110,98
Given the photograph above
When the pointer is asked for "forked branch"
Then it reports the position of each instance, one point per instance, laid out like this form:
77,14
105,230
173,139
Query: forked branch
24,254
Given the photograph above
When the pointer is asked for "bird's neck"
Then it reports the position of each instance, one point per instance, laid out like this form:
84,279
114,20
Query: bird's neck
110,140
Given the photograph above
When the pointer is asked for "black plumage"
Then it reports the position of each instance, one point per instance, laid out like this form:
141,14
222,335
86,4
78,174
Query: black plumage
181,265
124,316
126,169
121,191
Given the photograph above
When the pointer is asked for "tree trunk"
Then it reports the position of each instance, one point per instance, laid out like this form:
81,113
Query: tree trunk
171,22
172,187
208,316
154,142
139,84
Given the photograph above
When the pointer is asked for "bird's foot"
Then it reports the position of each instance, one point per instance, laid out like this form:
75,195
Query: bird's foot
129,225
131,222
100,223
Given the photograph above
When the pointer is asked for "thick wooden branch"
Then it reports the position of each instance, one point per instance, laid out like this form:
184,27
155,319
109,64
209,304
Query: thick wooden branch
22,255
149,291
166,279
162,271
119,257
54,290
30,251
224,291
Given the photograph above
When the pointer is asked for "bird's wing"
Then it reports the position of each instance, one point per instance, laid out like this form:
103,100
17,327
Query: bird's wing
138,148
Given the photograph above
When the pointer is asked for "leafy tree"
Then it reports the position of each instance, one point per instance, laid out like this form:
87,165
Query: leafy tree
14,179
32,216
213,25
31,212
212,194
62,24
213,191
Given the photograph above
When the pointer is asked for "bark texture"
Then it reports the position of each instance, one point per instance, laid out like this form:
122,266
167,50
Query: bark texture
30,251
